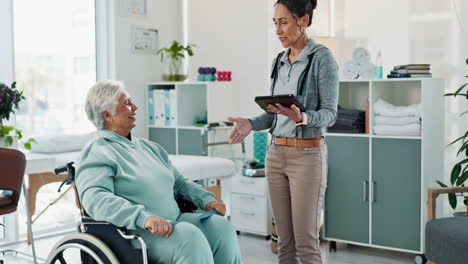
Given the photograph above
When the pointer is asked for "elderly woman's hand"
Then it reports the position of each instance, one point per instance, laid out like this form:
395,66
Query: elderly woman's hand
158,226
219,207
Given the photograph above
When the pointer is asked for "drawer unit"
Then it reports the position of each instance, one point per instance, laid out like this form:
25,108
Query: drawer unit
248,202
250,185
249,221
250,205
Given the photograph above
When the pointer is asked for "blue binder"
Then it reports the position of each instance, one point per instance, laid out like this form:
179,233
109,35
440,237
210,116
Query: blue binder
151,107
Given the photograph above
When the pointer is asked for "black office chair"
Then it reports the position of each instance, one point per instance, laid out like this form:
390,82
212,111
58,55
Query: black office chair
13,165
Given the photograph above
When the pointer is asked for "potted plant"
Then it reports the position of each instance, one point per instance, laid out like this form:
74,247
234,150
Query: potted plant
175,54
459,174
10,98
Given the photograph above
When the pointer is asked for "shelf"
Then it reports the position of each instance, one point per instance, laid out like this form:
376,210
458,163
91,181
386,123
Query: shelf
347,135
154,126
371,136
353,95
397,137
387,80
355,81
192,127
170,83
178,127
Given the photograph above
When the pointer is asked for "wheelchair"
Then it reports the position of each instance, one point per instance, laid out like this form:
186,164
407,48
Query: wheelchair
100,242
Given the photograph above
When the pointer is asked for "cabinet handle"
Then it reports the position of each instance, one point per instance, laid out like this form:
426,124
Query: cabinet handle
244,213
248,182
247,198
374,184
365,191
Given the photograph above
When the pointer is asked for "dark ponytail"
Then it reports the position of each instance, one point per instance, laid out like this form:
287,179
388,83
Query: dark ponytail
300,8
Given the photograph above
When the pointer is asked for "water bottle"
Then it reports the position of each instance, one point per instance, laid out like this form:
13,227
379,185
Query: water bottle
378,66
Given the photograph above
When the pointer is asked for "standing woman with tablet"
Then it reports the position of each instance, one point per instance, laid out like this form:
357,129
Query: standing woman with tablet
296,161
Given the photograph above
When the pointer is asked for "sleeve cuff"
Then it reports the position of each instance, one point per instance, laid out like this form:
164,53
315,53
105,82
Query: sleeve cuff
304,120
141,219
205,201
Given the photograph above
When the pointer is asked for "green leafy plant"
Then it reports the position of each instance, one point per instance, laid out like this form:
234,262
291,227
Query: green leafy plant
175,54
459,174
10,98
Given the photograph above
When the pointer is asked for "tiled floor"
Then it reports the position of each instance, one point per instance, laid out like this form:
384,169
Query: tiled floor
256,250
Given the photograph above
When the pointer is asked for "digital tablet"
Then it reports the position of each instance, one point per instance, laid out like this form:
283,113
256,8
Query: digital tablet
285,100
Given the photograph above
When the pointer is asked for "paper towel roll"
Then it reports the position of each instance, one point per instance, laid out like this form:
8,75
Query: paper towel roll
350,70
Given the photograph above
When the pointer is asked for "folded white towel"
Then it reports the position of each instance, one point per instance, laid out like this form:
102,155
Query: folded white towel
361,55
408,130
385,108
398,121
350,70
367,70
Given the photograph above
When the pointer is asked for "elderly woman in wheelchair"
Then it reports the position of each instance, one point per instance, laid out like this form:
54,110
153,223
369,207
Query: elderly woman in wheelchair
130,182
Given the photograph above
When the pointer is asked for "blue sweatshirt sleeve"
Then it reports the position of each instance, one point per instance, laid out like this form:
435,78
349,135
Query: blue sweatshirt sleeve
95,184
191,191
183,187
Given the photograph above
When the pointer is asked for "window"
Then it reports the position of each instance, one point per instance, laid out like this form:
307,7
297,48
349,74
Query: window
55,64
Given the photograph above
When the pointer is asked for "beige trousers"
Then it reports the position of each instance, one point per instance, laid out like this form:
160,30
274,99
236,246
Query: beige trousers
297,179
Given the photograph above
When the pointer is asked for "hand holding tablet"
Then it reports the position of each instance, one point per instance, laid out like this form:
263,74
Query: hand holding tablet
285,100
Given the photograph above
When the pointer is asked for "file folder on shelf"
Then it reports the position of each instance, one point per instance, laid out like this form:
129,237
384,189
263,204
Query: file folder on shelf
151,107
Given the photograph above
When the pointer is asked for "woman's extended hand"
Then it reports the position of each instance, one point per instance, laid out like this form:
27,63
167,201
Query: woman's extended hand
241,129
219,207
158,226
293,113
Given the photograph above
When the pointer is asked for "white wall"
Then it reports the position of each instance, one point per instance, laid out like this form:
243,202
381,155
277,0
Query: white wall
231,35
138,69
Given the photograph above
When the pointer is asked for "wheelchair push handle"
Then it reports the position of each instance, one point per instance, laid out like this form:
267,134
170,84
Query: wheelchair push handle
71,174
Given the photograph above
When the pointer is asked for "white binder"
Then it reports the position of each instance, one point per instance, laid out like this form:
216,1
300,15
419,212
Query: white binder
173,103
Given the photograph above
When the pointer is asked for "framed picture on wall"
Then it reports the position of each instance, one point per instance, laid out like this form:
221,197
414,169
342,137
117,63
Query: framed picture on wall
132,7
144,40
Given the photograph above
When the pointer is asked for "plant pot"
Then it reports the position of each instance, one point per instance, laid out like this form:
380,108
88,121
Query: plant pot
174,77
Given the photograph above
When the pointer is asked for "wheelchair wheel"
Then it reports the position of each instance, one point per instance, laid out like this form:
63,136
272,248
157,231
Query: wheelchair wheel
88,248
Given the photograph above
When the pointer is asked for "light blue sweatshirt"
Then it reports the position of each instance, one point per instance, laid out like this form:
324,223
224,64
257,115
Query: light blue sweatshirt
124,181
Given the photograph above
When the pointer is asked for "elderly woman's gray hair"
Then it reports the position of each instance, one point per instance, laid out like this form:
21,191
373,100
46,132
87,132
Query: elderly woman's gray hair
103,96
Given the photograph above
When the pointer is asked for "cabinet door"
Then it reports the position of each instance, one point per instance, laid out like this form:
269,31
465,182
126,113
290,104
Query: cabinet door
347,196
396,207
192,141
166,137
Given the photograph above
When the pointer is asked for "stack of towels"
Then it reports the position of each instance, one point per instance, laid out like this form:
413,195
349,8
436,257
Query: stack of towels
391,120
349,121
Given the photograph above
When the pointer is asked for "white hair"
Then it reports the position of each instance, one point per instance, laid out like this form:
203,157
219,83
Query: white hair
103,96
